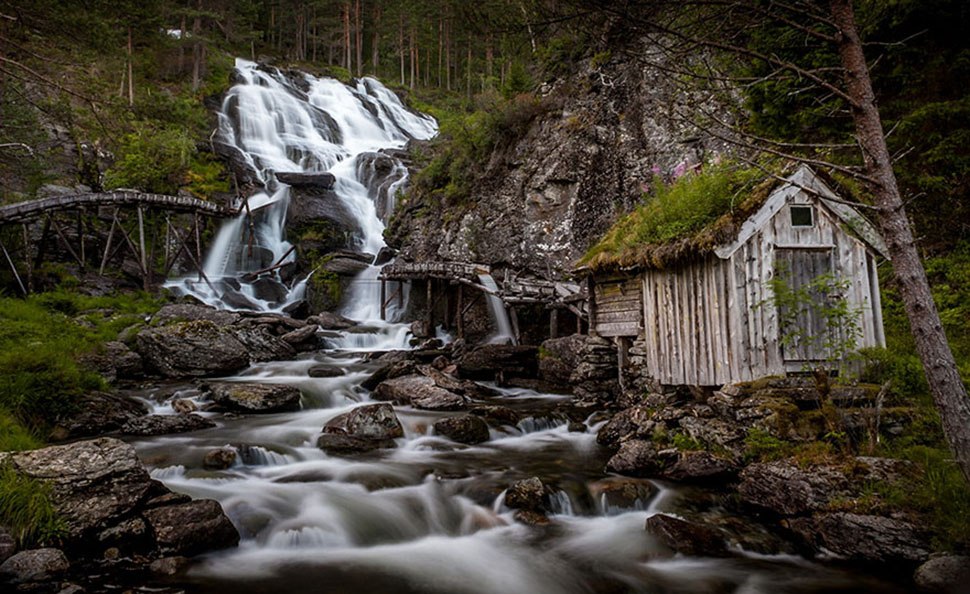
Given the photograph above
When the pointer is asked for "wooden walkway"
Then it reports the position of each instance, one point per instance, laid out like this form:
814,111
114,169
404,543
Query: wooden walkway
75,222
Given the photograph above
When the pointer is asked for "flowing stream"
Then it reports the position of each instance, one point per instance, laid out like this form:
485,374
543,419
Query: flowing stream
428,515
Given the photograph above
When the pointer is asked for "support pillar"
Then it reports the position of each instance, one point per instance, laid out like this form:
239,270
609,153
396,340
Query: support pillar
383,299
30,270
141,247
429,319
460,311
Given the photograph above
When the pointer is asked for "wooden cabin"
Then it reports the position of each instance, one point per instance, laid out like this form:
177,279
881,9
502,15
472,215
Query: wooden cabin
710,319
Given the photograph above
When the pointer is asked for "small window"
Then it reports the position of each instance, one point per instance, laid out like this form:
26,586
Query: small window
802,216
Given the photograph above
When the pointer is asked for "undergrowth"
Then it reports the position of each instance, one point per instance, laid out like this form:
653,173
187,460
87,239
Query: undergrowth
26,509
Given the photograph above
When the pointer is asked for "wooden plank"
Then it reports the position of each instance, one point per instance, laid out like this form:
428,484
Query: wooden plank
742,330
616,329
630,317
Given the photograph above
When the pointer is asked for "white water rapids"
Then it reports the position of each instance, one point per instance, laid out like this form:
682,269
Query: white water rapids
427,516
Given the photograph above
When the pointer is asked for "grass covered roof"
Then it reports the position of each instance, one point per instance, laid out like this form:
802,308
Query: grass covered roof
683,220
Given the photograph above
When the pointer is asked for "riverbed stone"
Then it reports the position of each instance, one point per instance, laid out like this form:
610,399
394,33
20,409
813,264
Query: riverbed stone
169,566
620,494
191,528
319,371
331,321
220,459
191,349
371,421
254,397
944,574
636,457
261,344
485,362
99,413
496,415
420,392
338,444
701,467
165,424
34,566
184,406
861,537
7,545
633,423
786,489
527,494
687,538
190,312
559,358
468,429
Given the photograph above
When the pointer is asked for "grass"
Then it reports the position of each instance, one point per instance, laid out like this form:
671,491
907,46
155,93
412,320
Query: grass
691,203
41,339
26,509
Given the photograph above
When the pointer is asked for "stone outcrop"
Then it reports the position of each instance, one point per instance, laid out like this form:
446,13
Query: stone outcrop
164,424
365,428
192,349
36,566
99,413
107,500
468,429
636,457
420,392
254,398
861,537
484,363
786,489
687,538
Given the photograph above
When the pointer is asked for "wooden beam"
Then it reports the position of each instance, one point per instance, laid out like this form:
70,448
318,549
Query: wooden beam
383,300
13,269
430,304
141,249
30,271
107,243
67,244
460,312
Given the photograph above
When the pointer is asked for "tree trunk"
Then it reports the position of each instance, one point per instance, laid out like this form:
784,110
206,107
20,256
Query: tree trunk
347,55
359,30
182,46
197,47
131,84
400,44
949,393
441,47
447,50
411,46
375,48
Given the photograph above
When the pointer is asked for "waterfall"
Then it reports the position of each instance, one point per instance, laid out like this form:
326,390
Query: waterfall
499,313
297,123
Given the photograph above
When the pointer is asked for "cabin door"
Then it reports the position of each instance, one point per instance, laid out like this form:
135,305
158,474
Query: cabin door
802,327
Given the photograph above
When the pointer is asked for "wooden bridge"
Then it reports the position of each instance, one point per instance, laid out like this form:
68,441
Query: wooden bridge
76,222
513,291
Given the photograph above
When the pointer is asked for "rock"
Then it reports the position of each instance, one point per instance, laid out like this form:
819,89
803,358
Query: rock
126,363
255,398
858,537
944,574
440,362
420,329
559,358
237,300
184,406
169,566
390,370
334,443
303,336
262,345
371,421
164,424
785,489
192,349
325,371
323,181
7,545
130,534
496,415
186,312
220,459
191,528
619,494
299,309
714,431
94,484
527,494
512,361
577,427
269,289
385,255
347,263
420,392
636,457
99,413
467,429
701,467
35,565
633,423
687,538
331,321
531,517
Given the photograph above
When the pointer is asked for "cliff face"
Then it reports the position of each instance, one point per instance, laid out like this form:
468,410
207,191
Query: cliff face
547,196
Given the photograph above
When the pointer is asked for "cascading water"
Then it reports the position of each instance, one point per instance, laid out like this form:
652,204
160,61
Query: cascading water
504,333
306,125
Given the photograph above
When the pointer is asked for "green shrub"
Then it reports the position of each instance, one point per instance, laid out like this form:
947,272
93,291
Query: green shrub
761,446
14,437
153,160
26,509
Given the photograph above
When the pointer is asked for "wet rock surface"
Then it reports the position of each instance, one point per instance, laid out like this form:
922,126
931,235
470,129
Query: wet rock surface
372,421
687,538
254,398
163,424
635,457
99,413
420,392
944,574
192,527
861,537
468,429
34,566
785,489
192,349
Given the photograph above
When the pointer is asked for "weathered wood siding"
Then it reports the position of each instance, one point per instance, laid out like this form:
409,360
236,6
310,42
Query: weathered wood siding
619,311
713,322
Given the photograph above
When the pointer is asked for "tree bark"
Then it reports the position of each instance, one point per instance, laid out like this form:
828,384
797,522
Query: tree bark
347,55
197,47
942,375
375,48
131,84
441,47
400,44
359,30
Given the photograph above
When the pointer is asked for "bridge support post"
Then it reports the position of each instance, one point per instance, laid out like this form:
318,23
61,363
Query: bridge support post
30,270
460,311
141,250
383,299
430,303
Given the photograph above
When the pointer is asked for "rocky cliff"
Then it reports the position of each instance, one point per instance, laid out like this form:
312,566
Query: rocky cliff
596,144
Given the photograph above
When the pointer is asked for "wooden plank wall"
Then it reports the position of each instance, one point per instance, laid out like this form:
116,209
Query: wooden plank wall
713,322
619,310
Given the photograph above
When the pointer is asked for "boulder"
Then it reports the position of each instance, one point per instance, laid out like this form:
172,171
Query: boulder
335,443
385,255
305,336
512,361
701,467
262,344
7,545
324,181
184,406
620,494
191,528
188,312
865,538
559,358
331,321
34,566
269,289
715,431
165,424
371,421
220,459
786,489
192,349
347,263
687,538
99,413
325,371
633,423
496,415
636,457
300,308
944,574
420,392
254,398
467,429
389,370
169,566
527,494
125,363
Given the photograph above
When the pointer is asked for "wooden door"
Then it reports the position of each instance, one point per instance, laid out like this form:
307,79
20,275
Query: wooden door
803,330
